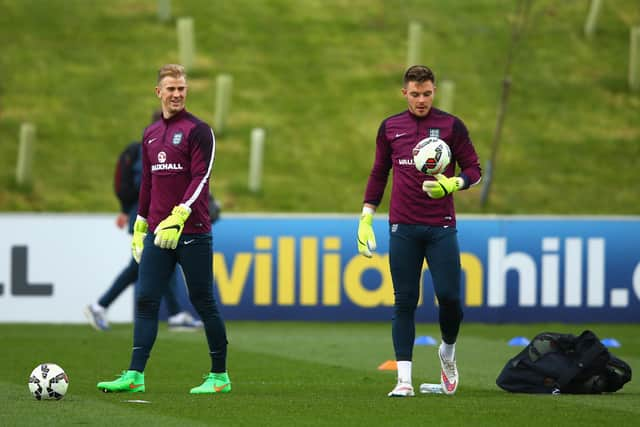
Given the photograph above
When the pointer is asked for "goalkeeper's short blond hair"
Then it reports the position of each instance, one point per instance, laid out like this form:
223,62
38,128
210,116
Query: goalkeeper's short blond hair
171,70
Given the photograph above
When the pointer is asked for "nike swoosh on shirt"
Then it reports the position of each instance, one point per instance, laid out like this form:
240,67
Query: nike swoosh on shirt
151,140
186,242
398,135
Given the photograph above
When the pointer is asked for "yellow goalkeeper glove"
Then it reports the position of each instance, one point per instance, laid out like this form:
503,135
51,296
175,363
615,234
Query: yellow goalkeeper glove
140,228
169,230
442,186
366,237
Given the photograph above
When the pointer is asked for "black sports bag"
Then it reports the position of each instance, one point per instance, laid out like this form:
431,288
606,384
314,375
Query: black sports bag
564,363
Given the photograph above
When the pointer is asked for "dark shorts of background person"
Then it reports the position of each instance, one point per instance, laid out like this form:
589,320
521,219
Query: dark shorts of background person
128,276
409,246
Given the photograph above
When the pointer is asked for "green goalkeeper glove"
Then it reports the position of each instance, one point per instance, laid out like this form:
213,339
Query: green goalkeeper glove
366,237
169,230
140,228
442,186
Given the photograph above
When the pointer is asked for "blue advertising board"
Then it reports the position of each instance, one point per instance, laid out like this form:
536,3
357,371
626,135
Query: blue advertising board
515,269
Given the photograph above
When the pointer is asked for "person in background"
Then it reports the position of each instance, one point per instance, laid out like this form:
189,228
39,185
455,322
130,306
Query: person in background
173,227
422,221
127,186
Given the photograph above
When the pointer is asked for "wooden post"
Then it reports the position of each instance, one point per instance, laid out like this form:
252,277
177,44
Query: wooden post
186,44
25,153
224,85
634,59
255,159
592,18
164,10
445,95
413,43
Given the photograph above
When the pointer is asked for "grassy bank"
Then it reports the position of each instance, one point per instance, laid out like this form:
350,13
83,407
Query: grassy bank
319,76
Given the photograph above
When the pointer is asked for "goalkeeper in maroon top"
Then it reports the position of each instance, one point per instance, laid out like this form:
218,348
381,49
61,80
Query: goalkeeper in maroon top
173,226
422,221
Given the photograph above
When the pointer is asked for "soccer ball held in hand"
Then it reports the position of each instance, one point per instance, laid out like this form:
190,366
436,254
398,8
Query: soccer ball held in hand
431,156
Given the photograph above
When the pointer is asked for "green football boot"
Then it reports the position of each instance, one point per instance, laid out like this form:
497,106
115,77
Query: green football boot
129,381
213,383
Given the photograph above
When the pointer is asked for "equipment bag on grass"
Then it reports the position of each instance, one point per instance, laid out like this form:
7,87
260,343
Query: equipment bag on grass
564,363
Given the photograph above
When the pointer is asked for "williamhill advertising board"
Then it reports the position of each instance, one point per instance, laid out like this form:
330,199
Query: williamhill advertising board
306,267
515,269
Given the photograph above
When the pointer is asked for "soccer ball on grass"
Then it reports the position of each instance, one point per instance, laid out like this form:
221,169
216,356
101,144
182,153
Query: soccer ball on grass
48,381
431,156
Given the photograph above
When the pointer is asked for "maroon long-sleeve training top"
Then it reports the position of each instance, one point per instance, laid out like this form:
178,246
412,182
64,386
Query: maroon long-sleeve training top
177,159
397,136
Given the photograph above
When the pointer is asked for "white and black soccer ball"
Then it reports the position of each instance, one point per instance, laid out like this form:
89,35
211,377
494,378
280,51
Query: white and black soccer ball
431,156
48,381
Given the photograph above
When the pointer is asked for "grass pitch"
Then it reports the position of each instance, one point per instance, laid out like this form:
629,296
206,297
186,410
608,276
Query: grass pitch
301,374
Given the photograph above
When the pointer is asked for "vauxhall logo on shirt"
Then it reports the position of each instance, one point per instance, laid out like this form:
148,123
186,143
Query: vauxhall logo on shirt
162,164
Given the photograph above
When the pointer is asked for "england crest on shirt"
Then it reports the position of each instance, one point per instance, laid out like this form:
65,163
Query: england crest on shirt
177,138
434,133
